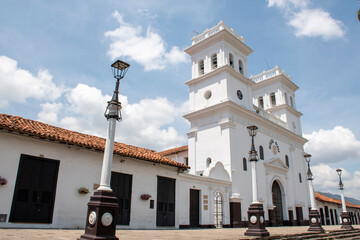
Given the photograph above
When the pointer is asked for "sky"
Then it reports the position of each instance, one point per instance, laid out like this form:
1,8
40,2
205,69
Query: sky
55,59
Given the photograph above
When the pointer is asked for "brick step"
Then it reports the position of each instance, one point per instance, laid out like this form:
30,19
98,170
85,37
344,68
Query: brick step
336,234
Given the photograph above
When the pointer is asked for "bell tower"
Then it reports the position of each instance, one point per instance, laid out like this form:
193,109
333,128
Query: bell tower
219,76
219,68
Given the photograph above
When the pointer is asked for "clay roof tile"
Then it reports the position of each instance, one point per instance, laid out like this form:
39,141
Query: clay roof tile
49,132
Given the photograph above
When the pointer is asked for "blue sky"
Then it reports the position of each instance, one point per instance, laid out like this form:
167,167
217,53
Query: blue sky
55,59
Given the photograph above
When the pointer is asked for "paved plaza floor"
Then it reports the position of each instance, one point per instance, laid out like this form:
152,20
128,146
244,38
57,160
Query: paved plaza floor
209,234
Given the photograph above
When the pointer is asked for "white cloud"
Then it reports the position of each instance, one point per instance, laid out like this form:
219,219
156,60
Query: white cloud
288,4
18,84
148,50
335,145
316,23
146,12
327,180
144,123
175,56
309,22
49,112
87,106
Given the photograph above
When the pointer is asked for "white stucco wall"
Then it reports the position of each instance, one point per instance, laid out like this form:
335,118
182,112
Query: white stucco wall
81,168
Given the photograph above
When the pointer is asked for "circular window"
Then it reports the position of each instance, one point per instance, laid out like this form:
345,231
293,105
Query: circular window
207,94
239,94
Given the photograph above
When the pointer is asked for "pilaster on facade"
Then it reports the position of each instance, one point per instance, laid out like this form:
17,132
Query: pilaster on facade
235,197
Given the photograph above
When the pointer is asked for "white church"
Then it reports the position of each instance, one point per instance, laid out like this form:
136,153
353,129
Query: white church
224,101
51,172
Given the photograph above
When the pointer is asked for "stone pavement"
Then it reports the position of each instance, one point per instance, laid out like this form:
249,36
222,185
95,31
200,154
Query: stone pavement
209,234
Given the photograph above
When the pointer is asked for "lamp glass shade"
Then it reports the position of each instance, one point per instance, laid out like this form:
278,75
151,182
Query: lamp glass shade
119,69
307,157
252,130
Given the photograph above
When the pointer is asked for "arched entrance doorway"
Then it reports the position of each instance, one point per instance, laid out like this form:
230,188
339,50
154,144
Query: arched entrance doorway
277,202
218,216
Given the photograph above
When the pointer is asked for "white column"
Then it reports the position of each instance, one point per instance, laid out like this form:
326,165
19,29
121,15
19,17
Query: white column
312,195
343,201
254,182
108,153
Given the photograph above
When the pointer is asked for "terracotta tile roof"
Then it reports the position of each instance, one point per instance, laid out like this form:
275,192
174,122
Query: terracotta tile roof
324,198
174,150
52,133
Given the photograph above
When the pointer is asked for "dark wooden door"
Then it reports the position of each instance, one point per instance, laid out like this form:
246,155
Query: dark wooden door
336,217
291,217
299,215
322,216
194,207
34,195
121,184
235,214
277,201
165,213
332,217
327,216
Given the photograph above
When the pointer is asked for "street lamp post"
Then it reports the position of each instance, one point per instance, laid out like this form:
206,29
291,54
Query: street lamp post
345,216
256,226
314,216
103,206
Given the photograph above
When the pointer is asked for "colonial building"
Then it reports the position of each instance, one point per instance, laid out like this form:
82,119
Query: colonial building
331,208
51,172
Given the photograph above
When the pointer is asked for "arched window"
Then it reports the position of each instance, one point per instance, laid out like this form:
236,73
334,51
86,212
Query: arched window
291,102
287,161
214,64
201,67
244,164
261,102
286,98
273,99
231,60
300,179
241,67
218,211
261,152
208,162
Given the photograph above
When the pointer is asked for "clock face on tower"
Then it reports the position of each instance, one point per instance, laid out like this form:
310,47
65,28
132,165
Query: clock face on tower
239,94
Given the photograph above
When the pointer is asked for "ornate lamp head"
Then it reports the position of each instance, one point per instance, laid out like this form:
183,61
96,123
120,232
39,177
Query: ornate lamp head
341,185
252,130
119,69
309,175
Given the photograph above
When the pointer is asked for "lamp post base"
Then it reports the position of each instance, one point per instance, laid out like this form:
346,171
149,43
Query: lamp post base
315,222
256,226
101,217
346,221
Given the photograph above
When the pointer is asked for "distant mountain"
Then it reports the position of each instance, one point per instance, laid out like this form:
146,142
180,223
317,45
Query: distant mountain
336,196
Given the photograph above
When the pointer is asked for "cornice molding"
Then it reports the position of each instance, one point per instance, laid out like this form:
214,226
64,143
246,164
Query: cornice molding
222,35
226,123
281,78
228,105
274,164
287,107
218,71
192,177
